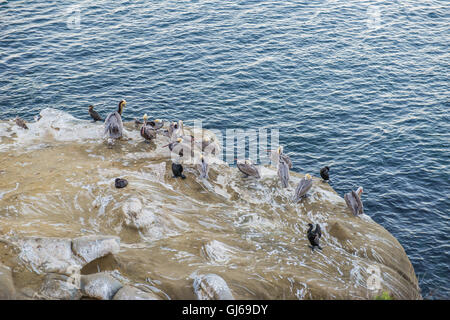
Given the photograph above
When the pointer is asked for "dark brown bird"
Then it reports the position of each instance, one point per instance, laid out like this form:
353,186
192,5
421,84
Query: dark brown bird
177,170
120,183
324,173
21,123
155,124
94,114
146,131
314,236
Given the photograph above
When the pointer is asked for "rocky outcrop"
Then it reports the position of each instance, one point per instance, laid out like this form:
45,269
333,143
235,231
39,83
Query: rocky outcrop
132,293
136,216
59,254
60,287
7,289
99,286
211,287
90,248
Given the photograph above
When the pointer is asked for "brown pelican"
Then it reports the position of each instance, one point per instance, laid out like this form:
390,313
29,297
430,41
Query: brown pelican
302,188
146,131
283,173
203,168
176,146
277,155
172,127
179,129
314,236
94,114
353,200
248,169
21,123
324,173
155,124
113,122
209,146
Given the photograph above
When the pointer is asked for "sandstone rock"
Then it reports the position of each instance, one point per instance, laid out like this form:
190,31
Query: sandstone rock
47,254
132,293
60,287
339,231
136,216
59,254
7,289
90,248
211,287
100,286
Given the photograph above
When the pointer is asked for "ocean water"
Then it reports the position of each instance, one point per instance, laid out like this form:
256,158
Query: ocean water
361,86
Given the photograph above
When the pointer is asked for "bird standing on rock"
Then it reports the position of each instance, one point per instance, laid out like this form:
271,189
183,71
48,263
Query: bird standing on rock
353,200
21,123
176,146
324,173
177,170
113,123
155,124
248,169
314,236
203,168
146,131
283,173
94,114
279,154
302,188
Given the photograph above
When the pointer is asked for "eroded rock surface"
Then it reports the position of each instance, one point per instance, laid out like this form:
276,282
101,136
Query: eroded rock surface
100,286
132,293
90,248
136,216
211,287
61,287
7,289
59,254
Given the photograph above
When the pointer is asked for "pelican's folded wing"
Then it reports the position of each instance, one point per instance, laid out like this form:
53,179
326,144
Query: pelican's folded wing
351,203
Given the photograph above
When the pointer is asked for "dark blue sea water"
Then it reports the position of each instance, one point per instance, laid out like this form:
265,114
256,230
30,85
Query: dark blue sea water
361,86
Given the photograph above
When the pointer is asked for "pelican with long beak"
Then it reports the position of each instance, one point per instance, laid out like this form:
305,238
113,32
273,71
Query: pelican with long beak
353,200
209,146
302,188
283,173
176,146
94,114
113,122
203,168
248,168
172,127
155,124
277,155
176,130
146,131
